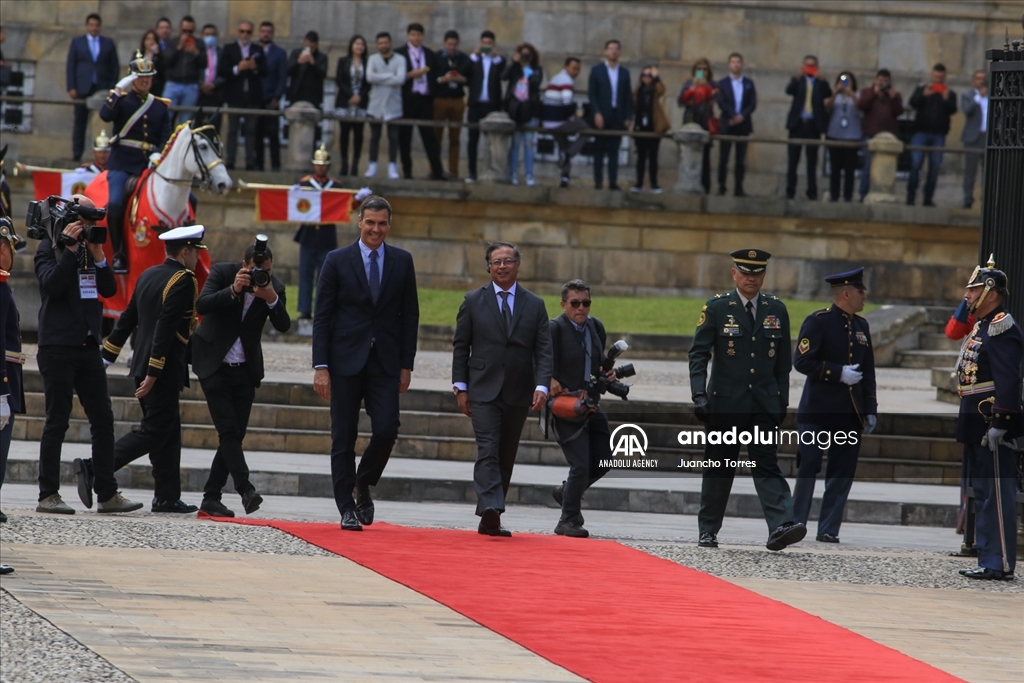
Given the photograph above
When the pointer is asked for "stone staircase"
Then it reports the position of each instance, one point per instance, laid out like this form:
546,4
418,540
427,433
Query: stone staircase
932,349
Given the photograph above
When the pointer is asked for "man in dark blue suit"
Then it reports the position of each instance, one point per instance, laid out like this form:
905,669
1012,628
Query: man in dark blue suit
92,65
808,120
611,97
737,98
364,343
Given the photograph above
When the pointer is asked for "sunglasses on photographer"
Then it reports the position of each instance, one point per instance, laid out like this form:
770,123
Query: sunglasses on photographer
576,303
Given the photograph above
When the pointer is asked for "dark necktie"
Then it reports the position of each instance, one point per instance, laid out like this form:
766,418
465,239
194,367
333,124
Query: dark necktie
374,277
506,314
750,311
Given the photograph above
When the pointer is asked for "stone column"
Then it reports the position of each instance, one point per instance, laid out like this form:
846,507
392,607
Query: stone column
96,124
885,149
497,128
690,139
303,118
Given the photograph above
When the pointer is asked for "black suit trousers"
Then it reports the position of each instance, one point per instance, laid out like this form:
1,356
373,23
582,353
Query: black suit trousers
66,371
806,130
419,107
81,126
159,436
583,453
379,393
475,114
250,130
724,147
229,395
498,428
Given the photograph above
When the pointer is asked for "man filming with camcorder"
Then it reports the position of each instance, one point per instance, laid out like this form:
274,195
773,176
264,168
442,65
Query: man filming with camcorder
228,359
582,372
73,273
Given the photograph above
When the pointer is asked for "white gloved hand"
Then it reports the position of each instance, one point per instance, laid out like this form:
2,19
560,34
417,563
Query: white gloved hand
107,363
154,158
5,411
993,438
363,194
126,81
851,375
872,422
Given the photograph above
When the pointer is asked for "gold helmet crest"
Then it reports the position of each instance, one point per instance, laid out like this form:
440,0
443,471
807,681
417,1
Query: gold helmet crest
141,65
101,143
322,157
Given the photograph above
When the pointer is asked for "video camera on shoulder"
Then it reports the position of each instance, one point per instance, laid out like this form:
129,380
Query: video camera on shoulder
260,276
48,217
603,383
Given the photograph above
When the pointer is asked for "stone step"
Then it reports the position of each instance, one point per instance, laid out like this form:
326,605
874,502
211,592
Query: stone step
926,359
945,384
938,341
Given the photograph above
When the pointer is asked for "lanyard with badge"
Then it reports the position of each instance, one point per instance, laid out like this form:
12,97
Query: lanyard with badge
86,277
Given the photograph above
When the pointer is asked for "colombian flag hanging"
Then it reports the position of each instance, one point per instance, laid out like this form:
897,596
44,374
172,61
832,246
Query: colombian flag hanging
303,205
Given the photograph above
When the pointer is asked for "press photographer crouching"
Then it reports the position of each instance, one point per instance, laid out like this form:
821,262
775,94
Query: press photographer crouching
581,368
227,356
73,273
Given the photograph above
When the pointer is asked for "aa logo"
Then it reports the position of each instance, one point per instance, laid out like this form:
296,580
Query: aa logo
628,440
303,205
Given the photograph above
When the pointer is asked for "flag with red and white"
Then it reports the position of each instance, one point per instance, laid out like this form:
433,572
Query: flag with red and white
47,183
303,205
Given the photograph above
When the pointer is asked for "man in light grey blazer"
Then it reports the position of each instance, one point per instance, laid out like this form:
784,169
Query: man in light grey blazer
974,105
501,368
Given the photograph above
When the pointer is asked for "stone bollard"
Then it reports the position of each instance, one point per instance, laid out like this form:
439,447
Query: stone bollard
885,149
303,118
691,139
96,124
498,129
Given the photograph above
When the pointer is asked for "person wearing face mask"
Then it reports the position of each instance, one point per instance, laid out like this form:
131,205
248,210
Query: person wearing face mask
210,85
698,99
934,104
844,125
807,120
650,118
522,103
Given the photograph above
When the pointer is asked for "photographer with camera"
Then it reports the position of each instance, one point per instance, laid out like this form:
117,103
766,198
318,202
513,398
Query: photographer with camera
578,341
228,359
882,106
73,273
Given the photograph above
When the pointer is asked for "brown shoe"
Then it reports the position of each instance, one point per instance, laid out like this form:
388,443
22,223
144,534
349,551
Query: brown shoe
118,503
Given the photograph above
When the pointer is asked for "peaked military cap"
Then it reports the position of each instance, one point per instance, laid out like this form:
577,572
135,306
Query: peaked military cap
188,235
750,260
851,277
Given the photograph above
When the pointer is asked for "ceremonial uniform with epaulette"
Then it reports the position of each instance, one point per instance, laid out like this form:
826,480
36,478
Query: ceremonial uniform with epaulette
836,354
163,311
749,341
991,417
315,240
142,126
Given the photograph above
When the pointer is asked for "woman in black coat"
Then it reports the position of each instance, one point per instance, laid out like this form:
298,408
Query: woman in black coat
353,95
522,103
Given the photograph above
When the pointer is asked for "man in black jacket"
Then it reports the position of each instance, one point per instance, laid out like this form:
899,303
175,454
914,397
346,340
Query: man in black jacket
453,73
418,101
71,280
578,342
364,343
162,309
807,120
242,65
934,104
184,65
228,359
484,92
307,69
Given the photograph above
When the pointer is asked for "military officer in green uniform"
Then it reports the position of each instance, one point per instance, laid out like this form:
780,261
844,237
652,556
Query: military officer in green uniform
746,332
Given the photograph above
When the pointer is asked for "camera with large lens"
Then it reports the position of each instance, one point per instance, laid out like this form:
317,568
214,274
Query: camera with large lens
47,218
260,277
603,384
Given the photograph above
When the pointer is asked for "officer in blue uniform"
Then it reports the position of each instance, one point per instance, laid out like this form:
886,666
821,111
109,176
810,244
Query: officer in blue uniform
989,378
315,240
838,405
142,126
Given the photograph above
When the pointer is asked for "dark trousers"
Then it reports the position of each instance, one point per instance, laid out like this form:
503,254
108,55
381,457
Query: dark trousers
80,127
805,130
498,428
606,146
476,113
159,436
995,485
740,170
375,132
568,149
378,391
356,131
583,453
419,107
972,162
229,395
250,126
843,161
5,447
842,465
772,488
311,260
268,127
67,371
917,161
647,154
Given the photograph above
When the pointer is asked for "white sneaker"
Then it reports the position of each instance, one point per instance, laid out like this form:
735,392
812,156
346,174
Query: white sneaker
393,171
55,505
515,180
530,181
371,170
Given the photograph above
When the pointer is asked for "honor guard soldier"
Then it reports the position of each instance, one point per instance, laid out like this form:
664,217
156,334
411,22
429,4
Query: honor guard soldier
100,154
746,332
142,125
989,383
315,240
163,310
835,353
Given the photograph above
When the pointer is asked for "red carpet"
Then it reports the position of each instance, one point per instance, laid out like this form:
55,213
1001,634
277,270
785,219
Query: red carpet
614,614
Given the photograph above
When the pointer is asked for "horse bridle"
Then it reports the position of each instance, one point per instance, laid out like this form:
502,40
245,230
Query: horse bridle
208,133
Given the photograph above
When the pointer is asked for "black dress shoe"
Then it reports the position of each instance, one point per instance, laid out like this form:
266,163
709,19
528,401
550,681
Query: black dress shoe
83,473
349,522
6,569
364,507
251,501
615,188
3,518
215,508
739,193
708,541
572,529
827,538
120,264
490,524
986,574
786,534
558,492
178,506
721,191
928,202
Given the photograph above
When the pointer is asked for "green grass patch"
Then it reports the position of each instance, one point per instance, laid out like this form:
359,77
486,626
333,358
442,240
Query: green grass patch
653,315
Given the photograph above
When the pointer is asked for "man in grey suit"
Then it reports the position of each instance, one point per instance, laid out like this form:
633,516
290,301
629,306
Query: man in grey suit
974,104
501,368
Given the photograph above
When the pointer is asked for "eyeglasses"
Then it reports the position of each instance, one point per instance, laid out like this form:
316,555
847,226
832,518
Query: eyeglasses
576,303
497,263
245,32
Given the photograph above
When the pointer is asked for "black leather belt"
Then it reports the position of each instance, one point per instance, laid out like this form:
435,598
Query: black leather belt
235,365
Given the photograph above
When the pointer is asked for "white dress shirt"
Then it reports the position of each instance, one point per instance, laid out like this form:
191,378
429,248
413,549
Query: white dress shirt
236,354
613,77
737,91
983,103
